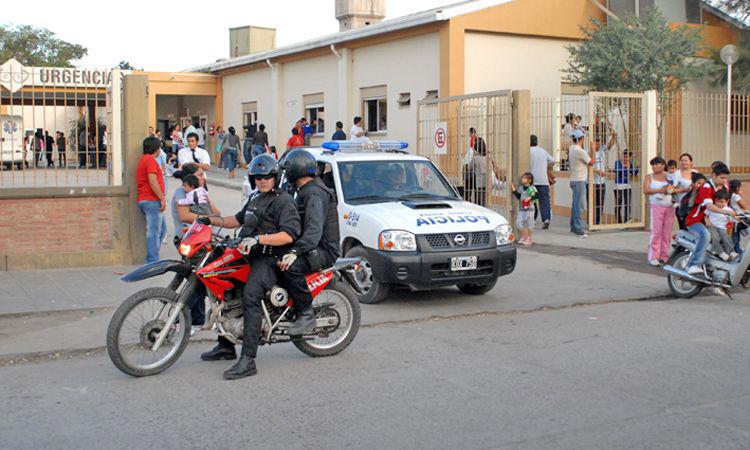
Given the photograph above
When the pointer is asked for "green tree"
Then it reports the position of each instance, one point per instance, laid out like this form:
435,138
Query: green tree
125,65
38,47
635,54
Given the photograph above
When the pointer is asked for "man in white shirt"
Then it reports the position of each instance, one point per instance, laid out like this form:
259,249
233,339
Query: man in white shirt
189,128
579,162
357,133
194,154
540,161
201,136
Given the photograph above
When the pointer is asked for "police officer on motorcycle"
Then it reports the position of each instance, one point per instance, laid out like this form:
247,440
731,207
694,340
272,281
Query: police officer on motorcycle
270,223
318,245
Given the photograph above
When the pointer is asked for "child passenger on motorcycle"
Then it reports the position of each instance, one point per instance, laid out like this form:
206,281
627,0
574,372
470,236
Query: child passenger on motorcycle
695,221
719,225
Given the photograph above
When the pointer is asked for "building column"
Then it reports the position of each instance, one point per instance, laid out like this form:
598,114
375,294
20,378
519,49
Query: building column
345,94
277,107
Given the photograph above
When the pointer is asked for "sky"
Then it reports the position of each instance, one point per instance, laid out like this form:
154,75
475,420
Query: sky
173,36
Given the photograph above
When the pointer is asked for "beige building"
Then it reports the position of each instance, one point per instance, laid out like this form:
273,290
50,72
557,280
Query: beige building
381,70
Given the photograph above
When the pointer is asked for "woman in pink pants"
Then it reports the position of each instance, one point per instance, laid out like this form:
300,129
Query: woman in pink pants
659,191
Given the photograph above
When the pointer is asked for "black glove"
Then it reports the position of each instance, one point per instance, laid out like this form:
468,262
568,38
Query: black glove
204,220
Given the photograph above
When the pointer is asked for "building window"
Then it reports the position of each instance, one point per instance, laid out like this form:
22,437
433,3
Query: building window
431,95
375,114
404,100
315,115
374,108
249,115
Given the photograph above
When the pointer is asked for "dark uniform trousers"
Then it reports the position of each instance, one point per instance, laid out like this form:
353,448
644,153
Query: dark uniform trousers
296,283
262,278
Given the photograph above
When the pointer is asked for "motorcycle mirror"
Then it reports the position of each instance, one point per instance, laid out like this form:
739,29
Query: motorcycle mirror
202,209
251,220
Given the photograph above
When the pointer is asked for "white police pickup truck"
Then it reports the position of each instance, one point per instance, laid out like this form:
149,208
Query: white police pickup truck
399,212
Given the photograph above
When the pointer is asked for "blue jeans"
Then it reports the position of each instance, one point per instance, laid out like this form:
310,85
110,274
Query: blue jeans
578,189
544,202
231,159
258,150
247,151
156,228
704,241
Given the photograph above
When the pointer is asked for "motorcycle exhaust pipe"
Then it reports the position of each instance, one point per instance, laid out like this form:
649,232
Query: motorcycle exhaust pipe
683,274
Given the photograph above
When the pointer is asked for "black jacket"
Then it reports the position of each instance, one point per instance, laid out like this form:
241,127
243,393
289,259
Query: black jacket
276,212
316,204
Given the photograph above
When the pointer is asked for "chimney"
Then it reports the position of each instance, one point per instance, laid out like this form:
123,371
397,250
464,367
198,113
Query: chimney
353,14
248,40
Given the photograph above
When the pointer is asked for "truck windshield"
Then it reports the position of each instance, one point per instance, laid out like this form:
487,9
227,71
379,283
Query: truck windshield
387,181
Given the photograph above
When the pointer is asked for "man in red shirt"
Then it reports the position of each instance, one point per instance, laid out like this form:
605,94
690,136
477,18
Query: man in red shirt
296,140
150,183
695,220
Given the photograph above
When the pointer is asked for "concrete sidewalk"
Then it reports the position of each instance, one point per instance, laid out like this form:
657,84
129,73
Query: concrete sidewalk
219,177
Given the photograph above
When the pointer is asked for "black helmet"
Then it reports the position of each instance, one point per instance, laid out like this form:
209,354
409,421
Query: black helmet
299,163
264,164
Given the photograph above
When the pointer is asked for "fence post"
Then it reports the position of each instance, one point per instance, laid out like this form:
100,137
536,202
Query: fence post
557,119
649,132
116,131
135,124
520,132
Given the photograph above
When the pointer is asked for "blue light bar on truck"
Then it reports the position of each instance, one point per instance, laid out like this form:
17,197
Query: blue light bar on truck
354,146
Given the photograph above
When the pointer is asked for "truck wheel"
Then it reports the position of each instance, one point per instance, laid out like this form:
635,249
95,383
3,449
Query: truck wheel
374,290
477,289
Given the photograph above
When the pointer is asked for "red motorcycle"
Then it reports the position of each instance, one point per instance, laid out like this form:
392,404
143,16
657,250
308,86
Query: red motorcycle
151,329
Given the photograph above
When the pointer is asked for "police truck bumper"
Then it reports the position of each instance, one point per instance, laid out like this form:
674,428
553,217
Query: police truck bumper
422,271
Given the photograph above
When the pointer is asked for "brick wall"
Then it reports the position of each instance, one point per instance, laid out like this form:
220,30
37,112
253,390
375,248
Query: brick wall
56,225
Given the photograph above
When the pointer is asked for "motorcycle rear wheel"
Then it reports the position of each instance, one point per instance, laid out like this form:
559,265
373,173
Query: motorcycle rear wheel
346,306
681,287
143,314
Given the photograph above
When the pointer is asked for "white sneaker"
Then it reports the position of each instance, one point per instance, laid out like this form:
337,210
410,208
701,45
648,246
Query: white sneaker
654,263
733,255
724,256
694,270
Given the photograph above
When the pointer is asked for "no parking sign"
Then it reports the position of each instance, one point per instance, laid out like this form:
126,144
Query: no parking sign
440,139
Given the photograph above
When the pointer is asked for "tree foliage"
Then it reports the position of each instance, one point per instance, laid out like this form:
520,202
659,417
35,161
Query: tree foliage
736,8
125,65
635,54
37,47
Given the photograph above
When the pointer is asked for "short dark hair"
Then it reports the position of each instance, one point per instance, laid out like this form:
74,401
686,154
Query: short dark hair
295,131
719,168
191,180
657,160
722,194
472,130
534,140
528,175
357,119
232,130
262,127
671,163
339,125
734,186
193,135
697,176
151,145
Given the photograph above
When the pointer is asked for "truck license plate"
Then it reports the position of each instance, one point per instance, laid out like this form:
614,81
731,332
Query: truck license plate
464,263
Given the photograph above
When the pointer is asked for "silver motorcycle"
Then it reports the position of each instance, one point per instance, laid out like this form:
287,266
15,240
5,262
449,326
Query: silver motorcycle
719,274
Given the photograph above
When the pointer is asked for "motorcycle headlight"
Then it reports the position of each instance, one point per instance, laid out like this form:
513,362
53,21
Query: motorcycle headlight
184,250
504,235
397,241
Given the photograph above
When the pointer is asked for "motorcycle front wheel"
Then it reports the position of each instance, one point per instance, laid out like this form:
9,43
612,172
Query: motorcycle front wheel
135,327
681,287
339,301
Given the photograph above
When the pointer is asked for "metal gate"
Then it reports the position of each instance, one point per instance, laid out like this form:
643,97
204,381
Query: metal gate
615,134
468,138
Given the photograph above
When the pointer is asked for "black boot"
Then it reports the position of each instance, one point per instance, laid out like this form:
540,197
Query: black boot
245,367
305,322
224,350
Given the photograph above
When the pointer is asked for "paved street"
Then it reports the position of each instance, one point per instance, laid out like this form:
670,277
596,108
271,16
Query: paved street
668,374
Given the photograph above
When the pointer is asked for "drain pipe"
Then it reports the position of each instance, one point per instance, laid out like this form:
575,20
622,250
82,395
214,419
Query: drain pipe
335,52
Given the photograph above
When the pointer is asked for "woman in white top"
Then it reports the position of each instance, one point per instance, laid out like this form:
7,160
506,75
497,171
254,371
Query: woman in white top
683,178
659,191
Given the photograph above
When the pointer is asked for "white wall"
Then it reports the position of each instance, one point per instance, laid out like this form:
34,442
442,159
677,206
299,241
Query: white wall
253,86
407,65
304,77
495,62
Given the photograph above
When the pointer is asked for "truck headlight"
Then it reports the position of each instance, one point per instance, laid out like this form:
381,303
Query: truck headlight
397,241
504,235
